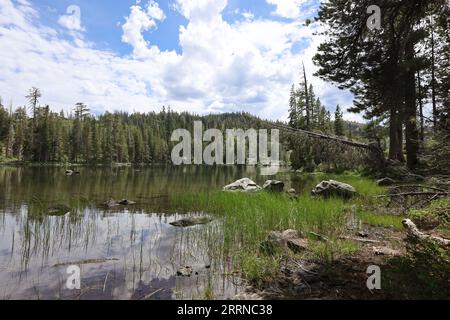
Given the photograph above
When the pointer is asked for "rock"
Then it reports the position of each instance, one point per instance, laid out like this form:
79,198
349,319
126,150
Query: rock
189,222
126,202
59,210
245,185
290,234
185,271
334,188
290,239
292,193
274,186
111,203
385,251
385,182
69,172
363,234
297,245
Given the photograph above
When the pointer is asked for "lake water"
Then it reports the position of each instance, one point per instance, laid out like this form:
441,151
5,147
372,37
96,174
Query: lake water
126,252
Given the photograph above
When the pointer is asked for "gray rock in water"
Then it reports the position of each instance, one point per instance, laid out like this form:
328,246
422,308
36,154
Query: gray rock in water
274,186
111,203
385,182
189,222
59,210
334,188
185,271
245,185
126,202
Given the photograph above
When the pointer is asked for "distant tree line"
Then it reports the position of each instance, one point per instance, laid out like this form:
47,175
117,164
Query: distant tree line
41,135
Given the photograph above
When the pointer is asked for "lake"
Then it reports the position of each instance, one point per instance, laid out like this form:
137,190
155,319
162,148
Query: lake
50,221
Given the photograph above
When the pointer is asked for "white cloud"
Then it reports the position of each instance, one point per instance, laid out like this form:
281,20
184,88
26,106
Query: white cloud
137,22
248,15
288,8
248,65
201,10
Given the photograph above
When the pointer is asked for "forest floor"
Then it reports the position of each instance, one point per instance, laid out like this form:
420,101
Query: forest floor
345,278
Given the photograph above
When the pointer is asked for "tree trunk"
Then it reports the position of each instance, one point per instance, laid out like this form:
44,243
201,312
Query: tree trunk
308,111
422,124
433,81
410,110
395,139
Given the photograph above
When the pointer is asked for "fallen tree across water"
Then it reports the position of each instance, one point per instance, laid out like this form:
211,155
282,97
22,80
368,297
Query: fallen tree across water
375,153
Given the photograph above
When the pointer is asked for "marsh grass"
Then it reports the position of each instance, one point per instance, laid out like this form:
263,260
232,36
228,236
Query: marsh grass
381,220
247,218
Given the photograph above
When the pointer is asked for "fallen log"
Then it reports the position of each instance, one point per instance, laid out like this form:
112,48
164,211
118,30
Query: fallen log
410,194
414,232
375,151
416,186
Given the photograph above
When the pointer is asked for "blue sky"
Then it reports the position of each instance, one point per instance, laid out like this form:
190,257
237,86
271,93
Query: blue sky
196,55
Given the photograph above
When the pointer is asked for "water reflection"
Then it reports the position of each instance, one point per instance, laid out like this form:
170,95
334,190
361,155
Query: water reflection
124,253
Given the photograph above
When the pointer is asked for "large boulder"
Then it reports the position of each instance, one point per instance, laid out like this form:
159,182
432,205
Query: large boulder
245,185
334,188
273,186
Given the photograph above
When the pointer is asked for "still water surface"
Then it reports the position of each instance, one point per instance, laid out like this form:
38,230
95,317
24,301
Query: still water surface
125,252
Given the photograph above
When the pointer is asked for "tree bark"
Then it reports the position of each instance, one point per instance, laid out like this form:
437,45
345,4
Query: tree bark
433,81
410,110
307,106
422,122
395,136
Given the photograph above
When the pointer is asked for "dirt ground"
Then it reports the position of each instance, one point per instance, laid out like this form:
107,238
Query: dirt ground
344,279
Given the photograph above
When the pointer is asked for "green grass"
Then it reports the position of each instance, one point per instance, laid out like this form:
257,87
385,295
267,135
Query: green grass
246,219
381,220
327,252
436,215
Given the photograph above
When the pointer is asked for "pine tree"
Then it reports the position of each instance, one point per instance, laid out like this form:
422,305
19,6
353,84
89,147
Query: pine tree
293,112
33,96
339,122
